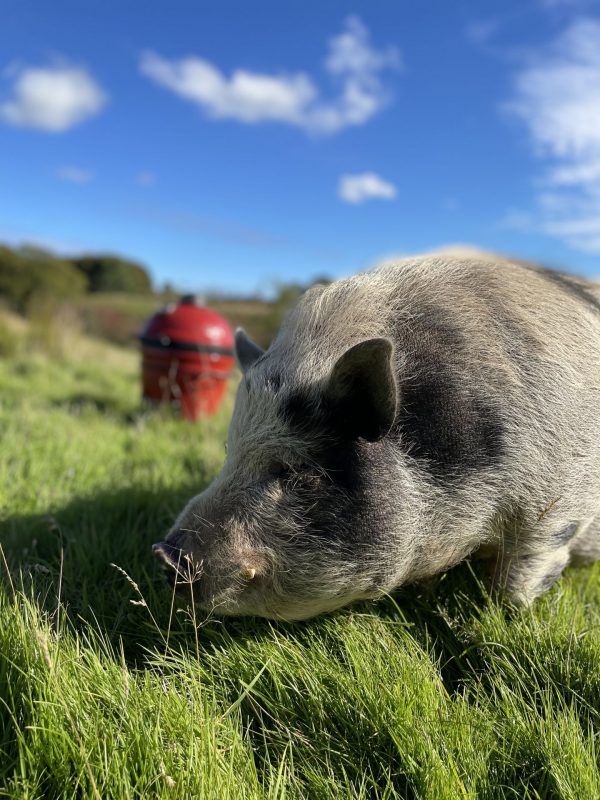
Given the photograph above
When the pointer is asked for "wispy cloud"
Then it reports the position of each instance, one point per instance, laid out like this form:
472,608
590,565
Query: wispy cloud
235,232
567,5
75,174
352,62
451,203
557,97
480,31
22,237
145,179
216,227
52,98
365,186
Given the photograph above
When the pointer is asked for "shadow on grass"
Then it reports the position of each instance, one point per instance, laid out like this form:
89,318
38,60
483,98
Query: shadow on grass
72,550
103,404
114,407
117,527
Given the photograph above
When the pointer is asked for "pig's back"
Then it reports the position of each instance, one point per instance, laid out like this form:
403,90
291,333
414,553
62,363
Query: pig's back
499,369
498,364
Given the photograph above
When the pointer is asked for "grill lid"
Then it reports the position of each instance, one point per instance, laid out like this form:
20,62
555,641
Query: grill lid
188,326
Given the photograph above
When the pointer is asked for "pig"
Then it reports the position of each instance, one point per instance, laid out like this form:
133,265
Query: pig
402,420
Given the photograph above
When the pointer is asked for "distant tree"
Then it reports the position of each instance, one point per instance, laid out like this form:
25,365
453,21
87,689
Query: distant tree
321,280
105,273
30,274
285,295
168,292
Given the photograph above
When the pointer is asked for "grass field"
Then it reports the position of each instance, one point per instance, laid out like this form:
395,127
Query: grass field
106,691
119,316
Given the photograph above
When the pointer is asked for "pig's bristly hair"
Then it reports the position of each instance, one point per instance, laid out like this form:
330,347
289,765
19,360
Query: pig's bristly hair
498,373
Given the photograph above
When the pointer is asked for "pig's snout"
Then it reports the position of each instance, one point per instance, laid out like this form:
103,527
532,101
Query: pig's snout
170,559
177,565
180,569
167,555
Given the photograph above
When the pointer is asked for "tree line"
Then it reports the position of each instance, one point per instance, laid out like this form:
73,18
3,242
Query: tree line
31,274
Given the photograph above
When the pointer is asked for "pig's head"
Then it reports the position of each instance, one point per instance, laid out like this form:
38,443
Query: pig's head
298,521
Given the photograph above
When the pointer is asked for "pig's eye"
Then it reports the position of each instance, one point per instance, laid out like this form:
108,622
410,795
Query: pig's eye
279,470
295,478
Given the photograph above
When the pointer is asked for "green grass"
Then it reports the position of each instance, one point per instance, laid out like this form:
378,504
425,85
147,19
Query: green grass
118,317
107,692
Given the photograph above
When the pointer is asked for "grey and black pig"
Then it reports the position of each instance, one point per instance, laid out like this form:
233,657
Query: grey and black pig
401,420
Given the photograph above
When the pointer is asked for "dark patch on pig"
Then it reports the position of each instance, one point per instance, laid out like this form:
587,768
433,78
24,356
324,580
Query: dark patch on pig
446,420
351,505
331,425
454,432
551,577
509,329
566,534
572,285
519,342
302,413
350,466
273,381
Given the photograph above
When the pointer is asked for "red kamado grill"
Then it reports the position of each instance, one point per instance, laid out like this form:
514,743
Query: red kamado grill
187,356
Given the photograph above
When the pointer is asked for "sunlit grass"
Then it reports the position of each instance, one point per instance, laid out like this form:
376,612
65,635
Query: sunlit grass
106,691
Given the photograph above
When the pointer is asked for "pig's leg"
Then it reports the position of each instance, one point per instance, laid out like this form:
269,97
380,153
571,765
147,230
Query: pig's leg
533,562
531,575
586,545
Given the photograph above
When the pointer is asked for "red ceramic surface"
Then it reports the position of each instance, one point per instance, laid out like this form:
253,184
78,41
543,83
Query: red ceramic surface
187,356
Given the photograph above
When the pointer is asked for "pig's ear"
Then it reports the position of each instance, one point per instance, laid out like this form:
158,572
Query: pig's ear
246,351
362,391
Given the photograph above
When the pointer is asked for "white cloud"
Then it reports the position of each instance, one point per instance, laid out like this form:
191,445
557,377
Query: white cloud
252,97
516,219
557,98
246,96
75,174
588,172
52,98
558,95
365,186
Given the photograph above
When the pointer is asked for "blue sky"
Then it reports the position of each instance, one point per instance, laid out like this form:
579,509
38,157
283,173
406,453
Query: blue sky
229,145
